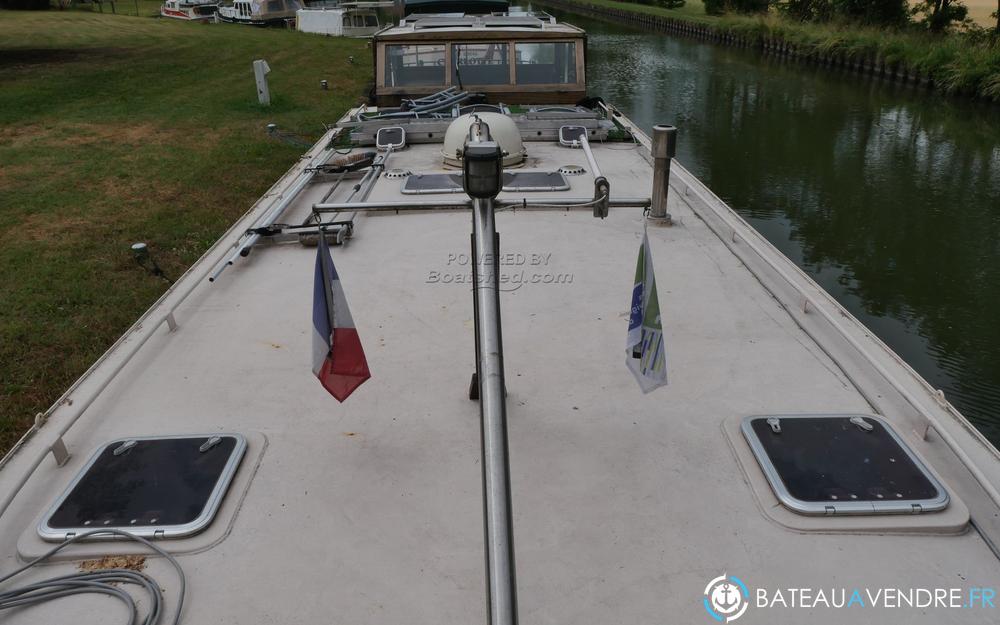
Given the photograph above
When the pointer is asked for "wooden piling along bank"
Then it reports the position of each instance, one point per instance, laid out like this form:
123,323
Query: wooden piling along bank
874,65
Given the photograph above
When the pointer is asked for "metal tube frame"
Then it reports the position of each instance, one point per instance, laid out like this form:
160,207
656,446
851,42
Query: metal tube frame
498,524
305,177
431,205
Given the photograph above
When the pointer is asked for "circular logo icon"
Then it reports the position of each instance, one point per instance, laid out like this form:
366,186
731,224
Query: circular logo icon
726,598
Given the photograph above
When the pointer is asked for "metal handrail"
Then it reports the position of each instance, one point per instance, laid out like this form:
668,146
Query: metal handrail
242,248
466,204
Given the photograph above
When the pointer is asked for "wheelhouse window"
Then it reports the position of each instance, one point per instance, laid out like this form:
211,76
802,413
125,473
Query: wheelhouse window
360,21
407,65
480,64
545,63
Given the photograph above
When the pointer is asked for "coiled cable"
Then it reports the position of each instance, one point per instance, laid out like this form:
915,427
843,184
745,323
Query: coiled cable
106,582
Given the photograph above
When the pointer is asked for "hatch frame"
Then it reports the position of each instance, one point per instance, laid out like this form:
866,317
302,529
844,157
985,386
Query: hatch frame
212,503
843,508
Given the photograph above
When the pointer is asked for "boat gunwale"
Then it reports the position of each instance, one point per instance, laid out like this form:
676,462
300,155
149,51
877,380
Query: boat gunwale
737,236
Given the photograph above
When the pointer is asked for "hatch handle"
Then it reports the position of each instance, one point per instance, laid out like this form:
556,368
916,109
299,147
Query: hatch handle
862,424
775,424
124,447
210,443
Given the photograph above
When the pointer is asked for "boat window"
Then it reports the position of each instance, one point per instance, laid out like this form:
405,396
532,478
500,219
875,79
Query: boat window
407,65
545,63
371,19
274,6
162,487
841,464
480,64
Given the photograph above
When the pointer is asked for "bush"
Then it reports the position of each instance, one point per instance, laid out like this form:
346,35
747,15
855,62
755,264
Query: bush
718,7
807,10
938,15
751,6
715,7
25,5
666,4
873,12
867,12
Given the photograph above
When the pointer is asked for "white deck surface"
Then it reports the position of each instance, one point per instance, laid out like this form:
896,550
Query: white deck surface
370,511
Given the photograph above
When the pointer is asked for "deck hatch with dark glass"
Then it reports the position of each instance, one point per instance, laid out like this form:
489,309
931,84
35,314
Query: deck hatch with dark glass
841,464
164,487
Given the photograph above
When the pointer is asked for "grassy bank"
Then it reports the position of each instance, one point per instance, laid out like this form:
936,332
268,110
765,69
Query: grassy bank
118,129
954,64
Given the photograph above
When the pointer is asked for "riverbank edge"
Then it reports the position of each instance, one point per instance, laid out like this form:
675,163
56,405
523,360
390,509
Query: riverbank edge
757,34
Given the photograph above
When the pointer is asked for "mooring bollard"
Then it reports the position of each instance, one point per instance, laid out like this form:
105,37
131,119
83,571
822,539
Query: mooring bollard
260,72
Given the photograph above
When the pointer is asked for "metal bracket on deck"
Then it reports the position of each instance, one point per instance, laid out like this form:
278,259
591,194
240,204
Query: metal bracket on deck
59,452
924,432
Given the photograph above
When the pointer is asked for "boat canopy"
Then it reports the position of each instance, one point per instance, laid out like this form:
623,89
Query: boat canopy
457,6
508,58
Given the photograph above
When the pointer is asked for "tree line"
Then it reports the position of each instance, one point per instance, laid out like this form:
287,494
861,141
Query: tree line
936,16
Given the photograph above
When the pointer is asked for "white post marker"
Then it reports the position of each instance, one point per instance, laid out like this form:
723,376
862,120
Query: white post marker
260,72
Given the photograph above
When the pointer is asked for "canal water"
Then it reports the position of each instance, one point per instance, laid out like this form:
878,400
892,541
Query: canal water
888,196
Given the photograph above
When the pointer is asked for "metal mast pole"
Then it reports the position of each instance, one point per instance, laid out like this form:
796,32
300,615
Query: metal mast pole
501,585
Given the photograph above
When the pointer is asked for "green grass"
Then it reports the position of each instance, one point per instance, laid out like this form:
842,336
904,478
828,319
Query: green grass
118,129
134,8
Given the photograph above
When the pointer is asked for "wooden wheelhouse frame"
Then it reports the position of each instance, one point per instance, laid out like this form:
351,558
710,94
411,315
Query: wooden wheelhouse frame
509,93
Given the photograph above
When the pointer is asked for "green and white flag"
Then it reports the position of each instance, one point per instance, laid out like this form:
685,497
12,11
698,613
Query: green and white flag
644,351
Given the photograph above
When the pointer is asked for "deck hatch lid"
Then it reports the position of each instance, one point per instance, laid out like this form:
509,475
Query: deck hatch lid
841,464
158,487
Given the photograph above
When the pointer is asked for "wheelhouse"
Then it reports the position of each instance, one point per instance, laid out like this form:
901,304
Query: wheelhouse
513,59
340,21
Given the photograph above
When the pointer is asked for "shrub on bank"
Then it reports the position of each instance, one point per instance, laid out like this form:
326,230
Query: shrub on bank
963,63
666,4
24,5
746,7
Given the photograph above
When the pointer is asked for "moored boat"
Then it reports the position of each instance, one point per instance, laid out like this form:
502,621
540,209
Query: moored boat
259,12
189,10
343,20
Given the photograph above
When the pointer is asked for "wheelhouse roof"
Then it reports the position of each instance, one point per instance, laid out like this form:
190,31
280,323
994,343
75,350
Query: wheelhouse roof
455,25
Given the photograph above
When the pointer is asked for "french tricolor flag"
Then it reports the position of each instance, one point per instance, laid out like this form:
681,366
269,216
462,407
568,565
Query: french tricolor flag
338,358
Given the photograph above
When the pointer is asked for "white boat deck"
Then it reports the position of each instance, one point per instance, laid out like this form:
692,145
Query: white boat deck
624,504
